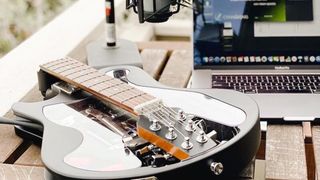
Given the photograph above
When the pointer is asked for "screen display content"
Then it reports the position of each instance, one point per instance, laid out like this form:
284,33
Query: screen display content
256,32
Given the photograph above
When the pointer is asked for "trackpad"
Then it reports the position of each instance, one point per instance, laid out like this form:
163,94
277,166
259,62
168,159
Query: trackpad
295,107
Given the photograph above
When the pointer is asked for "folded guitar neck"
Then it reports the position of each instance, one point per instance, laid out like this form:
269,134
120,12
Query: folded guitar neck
98,84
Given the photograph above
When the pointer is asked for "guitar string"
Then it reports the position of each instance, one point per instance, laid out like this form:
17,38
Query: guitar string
160,119
182,123
158,114
173,121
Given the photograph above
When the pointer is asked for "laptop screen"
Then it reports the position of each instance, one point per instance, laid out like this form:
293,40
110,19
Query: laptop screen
256,32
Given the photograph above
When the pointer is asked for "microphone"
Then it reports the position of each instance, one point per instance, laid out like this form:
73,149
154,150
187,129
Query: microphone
154,11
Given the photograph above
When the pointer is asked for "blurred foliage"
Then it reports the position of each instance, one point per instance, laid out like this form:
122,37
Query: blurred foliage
21,18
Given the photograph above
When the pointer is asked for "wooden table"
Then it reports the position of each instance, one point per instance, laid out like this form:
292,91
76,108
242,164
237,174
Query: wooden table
287,151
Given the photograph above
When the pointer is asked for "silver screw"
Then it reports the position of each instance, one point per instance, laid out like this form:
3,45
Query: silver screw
216,168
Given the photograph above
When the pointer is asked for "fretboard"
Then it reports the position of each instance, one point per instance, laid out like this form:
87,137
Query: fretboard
98,84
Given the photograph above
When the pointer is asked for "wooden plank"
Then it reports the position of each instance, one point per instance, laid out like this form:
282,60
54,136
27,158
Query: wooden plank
316,148
307,132
14,172
30,157
153,61
11,146
285,153
178,69
9,142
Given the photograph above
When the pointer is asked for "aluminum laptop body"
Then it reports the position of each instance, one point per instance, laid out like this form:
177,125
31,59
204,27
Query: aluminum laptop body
260,38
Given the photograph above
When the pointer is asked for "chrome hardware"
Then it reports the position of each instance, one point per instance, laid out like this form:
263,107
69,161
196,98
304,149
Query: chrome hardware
187,145
202,138
171,135
64,87
155,126
181,115
190,127
212,135
216,168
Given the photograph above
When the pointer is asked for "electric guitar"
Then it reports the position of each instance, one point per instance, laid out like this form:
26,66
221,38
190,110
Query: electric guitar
119,123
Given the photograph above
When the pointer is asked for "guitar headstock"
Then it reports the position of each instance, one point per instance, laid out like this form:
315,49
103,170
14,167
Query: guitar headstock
174,131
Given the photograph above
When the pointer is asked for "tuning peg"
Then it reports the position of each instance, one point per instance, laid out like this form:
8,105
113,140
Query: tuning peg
187,144
181,115
190,127
202,138
155,126
171,135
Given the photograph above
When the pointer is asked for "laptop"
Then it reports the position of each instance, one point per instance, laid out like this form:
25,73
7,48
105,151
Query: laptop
269,50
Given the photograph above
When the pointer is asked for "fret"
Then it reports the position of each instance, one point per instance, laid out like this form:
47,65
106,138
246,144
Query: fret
96,81
109,93
105,85
136,101
128,95
67,67
118,89
99,87
76,73
53,63
87,77
60,65
80,72
98,84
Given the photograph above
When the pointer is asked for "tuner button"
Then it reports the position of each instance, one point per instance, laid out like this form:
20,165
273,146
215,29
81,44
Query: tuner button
171,135
155,126
202,138
187,145
190,127
181,115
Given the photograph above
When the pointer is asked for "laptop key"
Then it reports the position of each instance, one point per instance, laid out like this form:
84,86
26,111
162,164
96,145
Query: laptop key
268,83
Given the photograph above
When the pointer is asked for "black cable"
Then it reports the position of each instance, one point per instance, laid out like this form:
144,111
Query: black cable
24,123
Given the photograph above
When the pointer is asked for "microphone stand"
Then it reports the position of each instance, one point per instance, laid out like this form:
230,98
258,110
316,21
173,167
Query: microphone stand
110,51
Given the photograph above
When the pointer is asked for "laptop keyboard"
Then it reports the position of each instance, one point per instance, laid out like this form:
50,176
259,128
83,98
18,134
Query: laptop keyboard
268,83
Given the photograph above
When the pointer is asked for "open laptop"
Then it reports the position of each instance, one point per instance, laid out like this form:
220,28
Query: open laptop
267,49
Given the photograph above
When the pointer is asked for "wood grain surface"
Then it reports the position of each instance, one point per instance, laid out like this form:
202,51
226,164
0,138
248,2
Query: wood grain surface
153,61
178,69
285,153
12,172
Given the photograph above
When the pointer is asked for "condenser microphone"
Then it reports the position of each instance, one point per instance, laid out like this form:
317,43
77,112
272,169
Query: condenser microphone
154,11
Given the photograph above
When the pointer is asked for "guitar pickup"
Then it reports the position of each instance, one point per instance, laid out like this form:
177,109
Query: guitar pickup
64,87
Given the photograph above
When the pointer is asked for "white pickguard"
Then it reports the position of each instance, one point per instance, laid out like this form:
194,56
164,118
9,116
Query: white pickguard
101,149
